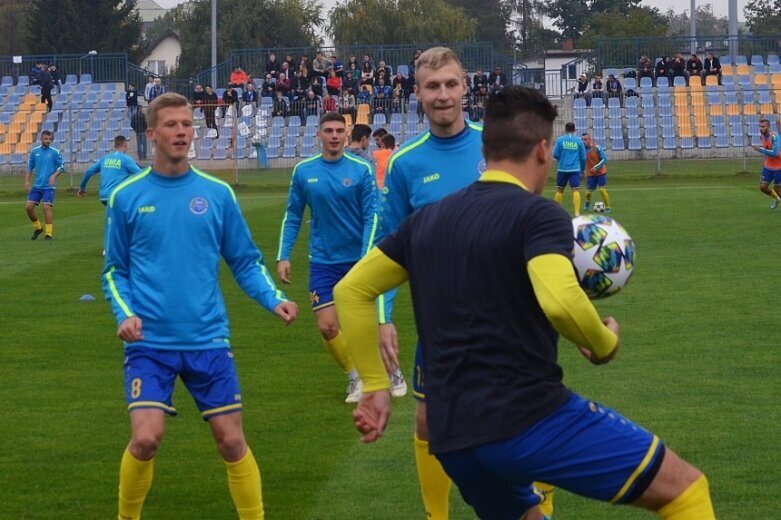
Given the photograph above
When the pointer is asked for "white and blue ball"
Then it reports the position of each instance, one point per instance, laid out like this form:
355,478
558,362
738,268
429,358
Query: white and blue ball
603,255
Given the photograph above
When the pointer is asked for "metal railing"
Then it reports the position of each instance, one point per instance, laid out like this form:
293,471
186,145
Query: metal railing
103,68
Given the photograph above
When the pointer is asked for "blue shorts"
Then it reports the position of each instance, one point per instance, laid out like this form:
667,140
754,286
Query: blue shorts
209,376
769,176
418,390
582,447
41,195
573,178
592,181
322,280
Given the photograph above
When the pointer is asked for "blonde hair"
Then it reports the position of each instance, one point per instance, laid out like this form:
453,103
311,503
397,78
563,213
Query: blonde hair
437,57
167,100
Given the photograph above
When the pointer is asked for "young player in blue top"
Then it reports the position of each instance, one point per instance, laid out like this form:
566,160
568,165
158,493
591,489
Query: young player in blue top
168,226
499,414
46,162
570,153
340,191
438,162
113,168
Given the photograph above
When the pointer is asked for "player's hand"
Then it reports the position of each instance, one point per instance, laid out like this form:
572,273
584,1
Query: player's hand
26,185
371,415
389,346
283,271
287,311
130,330
81,193
52,179
755,147
612,325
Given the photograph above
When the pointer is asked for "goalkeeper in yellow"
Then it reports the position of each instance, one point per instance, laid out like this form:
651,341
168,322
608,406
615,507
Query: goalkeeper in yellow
499,416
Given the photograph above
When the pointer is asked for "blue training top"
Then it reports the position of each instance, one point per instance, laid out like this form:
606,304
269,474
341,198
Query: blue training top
44,161
342,197
164,239
113,168
570,152
423,171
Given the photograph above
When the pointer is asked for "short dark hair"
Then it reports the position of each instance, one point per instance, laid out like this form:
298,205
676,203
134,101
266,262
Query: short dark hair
764,121
516,120
584,134
360,131
379,132
388,141
47,132
119,141
332,116
569,127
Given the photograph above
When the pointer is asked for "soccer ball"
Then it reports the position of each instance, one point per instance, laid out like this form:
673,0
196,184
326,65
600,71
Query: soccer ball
599,207
603,255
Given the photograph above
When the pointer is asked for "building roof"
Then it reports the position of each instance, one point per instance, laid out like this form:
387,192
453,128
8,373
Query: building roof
149,10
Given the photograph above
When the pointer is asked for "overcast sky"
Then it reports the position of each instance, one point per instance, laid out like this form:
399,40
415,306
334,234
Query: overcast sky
719,6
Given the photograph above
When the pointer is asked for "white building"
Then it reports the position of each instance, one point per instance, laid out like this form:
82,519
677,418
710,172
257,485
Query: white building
557,70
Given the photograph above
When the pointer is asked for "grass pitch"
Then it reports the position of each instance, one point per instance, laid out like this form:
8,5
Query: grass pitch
698,365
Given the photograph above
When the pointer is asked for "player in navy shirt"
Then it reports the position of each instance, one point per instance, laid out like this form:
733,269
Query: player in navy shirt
168,226
490,270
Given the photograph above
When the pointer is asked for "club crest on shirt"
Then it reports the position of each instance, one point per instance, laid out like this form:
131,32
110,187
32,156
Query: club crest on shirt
347,182
199,206
481,167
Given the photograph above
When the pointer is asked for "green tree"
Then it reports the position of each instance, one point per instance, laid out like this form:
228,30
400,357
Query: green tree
527,30
491,16
763,16
74,26
244,24
13,27
636,22
572,17
706,22
358,22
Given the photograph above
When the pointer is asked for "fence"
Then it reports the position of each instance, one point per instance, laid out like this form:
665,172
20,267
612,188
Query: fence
102,68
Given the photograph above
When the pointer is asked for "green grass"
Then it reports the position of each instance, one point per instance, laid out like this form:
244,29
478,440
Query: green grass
698,365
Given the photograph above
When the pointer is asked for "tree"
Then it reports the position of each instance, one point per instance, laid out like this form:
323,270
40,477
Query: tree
491,16
13,27
244,24
358,22
636,22
571,17
763,16
527,30
706,23
74,26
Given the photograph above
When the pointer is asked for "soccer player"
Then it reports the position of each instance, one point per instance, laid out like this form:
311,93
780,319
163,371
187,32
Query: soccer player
359,143
440,161
46,162
499,414
167,228
113,168
596,172
382,155
571,156
771,169
341,194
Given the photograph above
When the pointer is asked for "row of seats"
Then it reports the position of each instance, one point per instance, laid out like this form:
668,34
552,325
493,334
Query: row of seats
70,79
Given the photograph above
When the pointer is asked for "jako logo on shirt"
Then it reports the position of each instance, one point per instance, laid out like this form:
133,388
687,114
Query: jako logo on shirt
431,178
199,206
146,209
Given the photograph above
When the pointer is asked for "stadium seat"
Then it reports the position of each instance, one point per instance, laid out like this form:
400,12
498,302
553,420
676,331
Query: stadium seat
579,103
85,78
687,143
7,81
617,144
221,153
23,81
651,143
665,111
613,102
633,144
670,143
668,132
703,142
679,81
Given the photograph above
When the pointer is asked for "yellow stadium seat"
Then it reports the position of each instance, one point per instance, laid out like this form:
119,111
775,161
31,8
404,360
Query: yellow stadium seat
29,99
742,70
713,80
2,128
362,118
16,127
775,80
749,109
37,116
717,110
760,79
27,138
695,86
685,131
5,148
681,100
766,108
11,138
733,110
727,70
698,100
348,119
23,148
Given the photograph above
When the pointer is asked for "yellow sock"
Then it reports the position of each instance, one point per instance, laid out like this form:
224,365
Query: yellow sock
434,482
576,201
135,479
245,487
557,197
337,347
588,196
546,490
49,229
605,196
693,504
37,225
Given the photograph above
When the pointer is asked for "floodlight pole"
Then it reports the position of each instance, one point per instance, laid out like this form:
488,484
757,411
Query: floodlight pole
214,44
733,28
694,26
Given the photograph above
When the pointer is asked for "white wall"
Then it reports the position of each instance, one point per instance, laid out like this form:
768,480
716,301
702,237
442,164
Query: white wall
168,50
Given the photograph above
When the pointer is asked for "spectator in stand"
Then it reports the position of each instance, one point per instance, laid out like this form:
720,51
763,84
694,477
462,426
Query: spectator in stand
334,83
230,98
597,88
385,147
311,106
35,73
645,69
269,86
299,85
305,73
250,96
304,60
677,68
337,65
497,79
382,68
347,104
694,66
614,88
397,101
712,67
377,136
353,59
291,63
280,106
662,68
418,52
479,79
467,81
198,95
367,73
285,69
399,82
381,102
47,85
55,74
138,124
329,103
150,83
238,78
383,88
283,84
352,78
320,64
158,89
131,97
272,65
209,106
478,101
365,95
582,89
316,87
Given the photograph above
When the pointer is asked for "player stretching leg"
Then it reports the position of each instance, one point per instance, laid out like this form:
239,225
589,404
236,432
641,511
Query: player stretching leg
167,228
571,156
436,163
499,415
596,172
771,169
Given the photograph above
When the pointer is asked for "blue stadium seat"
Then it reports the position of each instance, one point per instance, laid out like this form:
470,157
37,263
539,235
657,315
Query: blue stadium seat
221,153
735,120
687,143
87,145
16,158
598,122
760,69
775,68
289,152
651,131
631,102
665,100
3,159
679,81
647,102
23,81
632,112
646,83
82,157
634,144
614,113
738,141
668,132
755,140
633,132
669,143
740,60
85,78
665,111
597,103
7,81
722,141
728,82
756,59
579,103
630,84
719,130
703,142
772,59
651,143
580,112
613,102
662,82
240,152
616,133
204,154
379,119
274,142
